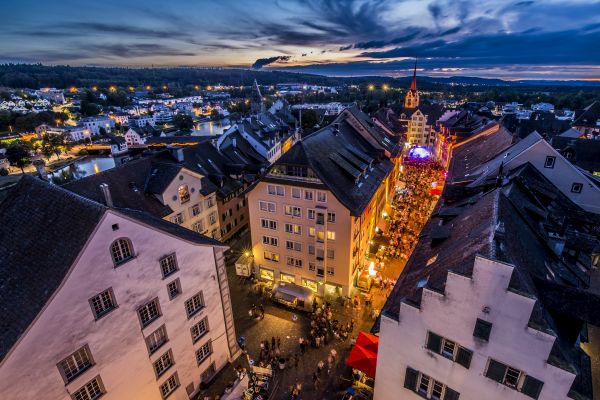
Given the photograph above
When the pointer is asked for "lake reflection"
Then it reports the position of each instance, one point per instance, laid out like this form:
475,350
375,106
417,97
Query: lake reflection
211,128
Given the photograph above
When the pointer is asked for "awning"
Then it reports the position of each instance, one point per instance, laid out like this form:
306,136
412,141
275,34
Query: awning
361,357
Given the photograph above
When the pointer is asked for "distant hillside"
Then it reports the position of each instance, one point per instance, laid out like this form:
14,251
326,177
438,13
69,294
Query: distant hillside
38,75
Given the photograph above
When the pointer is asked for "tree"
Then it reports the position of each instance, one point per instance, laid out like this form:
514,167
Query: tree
183,122
18,155
309,119
54,144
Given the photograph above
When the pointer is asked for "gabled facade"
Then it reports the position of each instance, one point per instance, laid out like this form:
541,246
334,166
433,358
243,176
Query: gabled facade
131,307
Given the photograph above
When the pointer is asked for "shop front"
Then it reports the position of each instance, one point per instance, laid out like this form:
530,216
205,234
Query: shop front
287,278
332,290
266,274
312,285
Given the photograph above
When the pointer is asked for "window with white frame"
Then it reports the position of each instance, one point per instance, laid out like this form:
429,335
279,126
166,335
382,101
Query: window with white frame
149,312
270,240
268,255
167,388
311,266
293,228
212,218
330,270
310,213
174,289
321,197
203,352
199,330
196,209
267,206
198,226
194,304
268,224
121,251
75,364
178,218
210,202
331,217
103,303
296,193
92,390
156,339
163,363
275,190
168,265
309,195
311,249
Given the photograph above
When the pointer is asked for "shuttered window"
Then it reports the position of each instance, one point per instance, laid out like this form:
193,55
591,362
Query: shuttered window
482,329
410,380
434,342
532,387
496,371
463,357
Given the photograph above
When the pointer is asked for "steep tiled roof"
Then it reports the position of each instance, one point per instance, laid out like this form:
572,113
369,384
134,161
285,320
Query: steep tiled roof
316,150
478,149
42,230
589,116
127,185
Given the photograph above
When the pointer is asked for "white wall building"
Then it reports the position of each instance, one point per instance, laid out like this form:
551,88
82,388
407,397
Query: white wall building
132,308
93,124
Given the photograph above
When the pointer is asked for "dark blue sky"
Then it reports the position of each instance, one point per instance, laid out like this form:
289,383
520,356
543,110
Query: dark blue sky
545,39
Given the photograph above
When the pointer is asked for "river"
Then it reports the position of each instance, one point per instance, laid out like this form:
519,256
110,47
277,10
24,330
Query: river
211,128
86,166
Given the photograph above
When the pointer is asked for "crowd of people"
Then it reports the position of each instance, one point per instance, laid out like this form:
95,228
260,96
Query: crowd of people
411,207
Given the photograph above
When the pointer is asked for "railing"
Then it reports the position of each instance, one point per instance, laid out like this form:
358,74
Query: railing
294,178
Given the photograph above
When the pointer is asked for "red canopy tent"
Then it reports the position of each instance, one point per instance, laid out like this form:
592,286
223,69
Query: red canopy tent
363,355
368,341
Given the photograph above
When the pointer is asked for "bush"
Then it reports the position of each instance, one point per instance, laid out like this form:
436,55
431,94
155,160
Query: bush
83,152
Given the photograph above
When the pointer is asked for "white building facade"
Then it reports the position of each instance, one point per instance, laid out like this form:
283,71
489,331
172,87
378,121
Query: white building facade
473,341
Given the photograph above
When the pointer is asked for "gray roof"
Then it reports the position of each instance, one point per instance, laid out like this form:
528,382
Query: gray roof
43,229
589,116
318,151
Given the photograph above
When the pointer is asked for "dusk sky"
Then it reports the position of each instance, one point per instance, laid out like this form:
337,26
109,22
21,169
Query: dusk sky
549,39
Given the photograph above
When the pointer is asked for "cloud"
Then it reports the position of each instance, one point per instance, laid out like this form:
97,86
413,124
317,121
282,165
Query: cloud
261,62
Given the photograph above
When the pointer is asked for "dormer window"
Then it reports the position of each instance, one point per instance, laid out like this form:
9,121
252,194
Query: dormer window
184,194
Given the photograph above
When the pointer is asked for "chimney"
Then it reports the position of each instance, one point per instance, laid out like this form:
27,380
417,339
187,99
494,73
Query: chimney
40,166
234,142
336,128
106,192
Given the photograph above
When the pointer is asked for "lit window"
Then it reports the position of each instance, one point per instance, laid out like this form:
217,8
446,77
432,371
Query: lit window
184,194
121,251
178,218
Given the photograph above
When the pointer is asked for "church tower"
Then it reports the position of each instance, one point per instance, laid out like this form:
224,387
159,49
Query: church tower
412,97
257,105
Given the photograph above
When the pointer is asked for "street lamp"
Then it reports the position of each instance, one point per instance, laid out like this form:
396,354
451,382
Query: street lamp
371,87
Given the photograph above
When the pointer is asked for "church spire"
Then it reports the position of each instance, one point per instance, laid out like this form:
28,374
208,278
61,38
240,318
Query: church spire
412,97
256,100
413,83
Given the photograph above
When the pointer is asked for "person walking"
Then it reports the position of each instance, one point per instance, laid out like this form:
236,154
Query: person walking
316,381
320,366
